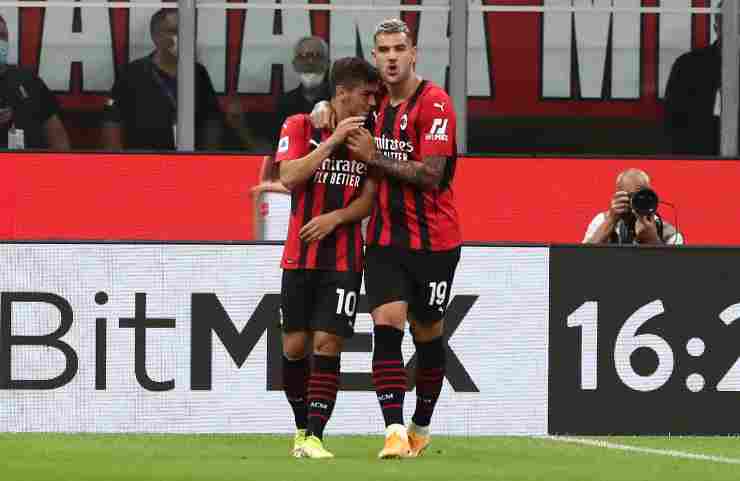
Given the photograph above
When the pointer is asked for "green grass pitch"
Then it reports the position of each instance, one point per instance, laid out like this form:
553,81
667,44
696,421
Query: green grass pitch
72,457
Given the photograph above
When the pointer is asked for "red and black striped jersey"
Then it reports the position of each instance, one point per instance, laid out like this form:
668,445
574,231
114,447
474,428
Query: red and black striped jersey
403,214
338,181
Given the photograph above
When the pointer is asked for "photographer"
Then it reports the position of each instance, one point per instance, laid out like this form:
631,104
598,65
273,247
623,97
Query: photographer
632,217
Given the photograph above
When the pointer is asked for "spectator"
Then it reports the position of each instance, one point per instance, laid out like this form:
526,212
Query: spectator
311,62
622,224
142,111
237,134
692,99
27,107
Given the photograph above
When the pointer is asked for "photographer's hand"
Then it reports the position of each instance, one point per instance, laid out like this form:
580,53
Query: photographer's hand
646,230
618,206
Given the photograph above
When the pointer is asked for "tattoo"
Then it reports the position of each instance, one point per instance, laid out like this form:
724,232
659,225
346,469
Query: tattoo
427,174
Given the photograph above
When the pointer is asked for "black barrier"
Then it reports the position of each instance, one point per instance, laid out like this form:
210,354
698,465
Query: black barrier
644,341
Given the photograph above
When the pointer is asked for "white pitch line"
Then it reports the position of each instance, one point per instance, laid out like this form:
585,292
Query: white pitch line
624,447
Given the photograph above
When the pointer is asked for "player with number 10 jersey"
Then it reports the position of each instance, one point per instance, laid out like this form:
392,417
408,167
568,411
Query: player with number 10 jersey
323,257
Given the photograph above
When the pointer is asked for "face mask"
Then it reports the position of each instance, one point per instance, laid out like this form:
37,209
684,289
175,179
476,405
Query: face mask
173,47
311,80
3,52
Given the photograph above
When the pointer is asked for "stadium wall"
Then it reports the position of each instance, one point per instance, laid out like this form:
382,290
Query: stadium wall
540,81
618,63
184,337
206,197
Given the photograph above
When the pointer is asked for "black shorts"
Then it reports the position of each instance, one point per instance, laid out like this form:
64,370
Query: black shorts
421,278
316,300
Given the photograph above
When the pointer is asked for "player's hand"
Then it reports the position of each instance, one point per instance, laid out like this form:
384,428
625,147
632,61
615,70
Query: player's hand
268,186
323,116
646,230
362,144
620,205
345,128
319,227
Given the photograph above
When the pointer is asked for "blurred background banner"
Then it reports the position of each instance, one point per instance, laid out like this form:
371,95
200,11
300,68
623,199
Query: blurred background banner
546,74
184,197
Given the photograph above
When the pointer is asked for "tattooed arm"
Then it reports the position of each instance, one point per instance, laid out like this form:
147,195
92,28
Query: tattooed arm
426,174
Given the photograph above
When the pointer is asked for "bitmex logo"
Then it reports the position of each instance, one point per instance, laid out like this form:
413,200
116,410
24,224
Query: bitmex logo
208,317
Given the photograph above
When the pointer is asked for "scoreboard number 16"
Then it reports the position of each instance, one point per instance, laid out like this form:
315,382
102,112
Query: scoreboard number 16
628,341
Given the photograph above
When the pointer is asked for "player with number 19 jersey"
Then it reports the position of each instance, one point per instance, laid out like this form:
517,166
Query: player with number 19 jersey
405,216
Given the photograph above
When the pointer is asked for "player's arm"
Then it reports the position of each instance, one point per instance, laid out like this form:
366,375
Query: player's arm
323,115
426,174
298,171
359,208
322,225
436,143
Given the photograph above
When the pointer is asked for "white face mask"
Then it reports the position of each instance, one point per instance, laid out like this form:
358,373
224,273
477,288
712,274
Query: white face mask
173,47
311,80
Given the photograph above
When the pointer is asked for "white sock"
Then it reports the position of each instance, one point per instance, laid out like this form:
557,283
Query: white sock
399,429
420,430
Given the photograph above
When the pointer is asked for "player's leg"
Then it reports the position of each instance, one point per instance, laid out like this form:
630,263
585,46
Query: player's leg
434,275
333,320
387,289
295,302
430,371
295,376
323,384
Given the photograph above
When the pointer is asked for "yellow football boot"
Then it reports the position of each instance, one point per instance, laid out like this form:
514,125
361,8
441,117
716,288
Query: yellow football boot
313,448
298,440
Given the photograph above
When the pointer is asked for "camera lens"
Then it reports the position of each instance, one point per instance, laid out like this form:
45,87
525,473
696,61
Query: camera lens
644,202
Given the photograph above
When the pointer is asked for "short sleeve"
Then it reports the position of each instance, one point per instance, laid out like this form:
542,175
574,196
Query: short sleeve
593,226
292,144
437,124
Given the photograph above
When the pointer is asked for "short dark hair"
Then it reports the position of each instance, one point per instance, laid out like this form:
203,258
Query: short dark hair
349,72
156,21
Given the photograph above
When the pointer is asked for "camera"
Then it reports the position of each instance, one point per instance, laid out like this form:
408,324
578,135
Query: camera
644,202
